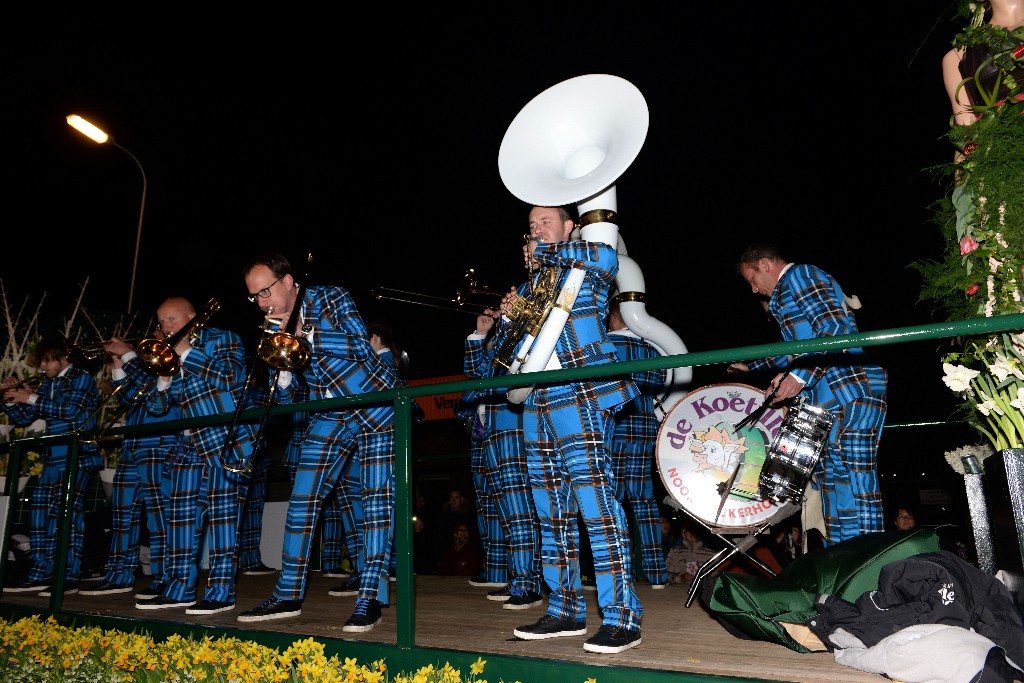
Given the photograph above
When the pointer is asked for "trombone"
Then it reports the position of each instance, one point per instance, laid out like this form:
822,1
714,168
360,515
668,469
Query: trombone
87,353
159,359
467,297
281,351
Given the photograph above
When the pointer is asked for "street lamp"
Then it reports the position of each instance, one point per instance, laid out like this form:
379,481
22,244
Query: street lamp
93,133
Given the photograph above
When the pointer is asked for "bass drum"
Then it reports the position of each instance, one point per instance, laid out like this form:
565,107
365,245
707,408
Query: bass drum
699,451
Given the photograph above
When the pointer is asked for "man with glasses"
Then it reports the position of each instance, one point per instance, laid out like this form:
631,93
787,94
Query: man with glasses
343,364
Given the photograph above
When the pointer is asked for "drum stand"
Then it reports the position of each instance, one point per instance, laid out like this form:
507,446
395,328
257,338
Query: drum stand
747,540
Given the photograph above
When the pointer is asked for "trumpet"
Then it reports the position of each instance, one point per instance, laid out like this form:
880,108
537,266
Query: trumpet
471,297
30,382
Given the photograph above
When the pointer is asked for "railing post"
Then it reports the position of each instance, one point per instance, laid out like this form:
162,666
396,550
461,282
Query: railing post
65,512
404,593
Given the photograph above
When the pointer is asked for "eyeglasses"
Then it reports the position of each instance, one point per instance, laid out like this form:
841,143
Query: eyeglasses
265,292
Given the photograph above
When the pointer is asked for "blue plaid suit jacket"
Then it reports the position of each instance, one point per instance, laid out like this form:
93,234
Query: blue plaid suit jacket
67,403
139,379
343,362
808,304
210,383
638,419
584,338
478,361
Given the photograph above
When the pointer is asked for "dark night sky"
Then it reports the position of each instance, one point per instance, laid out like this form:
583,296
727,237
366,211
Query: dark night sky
373,144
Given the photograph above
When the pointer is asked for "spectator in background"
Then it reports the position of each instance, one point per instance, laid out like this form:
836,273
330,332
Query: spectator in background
685,559
904,519
456,510
670,535
462,556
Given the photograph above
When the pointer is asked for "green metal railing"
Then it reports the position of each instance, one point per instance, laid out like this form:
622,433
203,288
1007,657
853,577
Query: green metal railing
402,399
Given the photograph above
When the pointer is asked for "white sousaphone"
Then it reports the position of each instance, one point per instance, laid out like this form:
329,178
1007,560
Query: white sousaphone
570,144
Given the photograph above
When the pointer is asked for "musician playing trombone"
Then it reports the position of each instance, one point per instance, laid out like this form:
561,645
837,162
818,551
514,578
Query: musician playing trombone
138,479
202,494
342,363
565,426
67,400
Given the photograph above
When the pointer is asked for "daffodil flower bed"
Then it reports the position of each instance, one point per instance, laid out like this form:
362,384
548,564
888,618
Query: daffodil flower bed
38,651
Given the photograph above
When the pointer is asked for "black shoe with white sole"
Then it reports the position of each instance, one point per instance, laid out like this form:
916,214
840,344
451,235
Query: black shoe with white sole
612,639
154,591
27,586
259,570
272,608
163,603
366,616
501,594
481,581
205,606
350,587
70,588
551,627
524,601
106,588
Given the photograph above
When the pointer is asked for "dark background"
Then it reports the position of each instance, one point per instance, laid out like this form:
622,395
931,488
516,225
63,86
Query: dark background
372,143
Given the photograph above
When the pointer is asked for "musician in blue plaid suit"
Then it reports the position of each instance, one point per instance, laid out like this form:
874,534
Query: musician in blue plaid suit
494,560
342,364
566,427
67,401
202,495
633,443
137,489
506,476
250,527
808,303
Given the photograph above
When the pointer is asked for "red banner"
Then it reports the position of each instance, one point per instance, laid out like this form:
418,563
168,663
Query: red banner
439,406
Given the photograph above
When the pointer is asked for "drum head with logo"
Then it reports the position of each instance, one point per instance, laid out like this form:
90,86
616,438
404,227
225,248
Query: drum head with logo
710,467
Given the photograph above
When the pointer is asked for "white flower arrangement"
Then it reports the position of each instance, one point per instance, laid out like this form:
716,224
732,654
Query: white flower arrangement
993,387
978,451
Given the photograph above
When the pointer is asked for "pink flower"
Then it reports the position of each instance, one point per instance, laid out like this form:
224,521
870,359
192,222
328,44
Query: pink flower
967,245
973,289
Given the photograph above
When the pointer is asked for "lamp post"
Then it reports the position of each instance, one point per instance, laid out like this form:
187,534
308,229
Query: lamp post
93,133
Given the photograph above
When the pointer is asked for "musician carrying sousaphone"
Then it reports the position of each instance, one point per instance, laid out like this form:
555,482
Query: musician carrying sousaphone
564,426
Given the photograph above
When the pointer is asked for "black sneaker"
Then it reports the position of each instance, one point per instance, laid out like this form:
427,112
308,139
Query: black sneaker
612,639
550,627
502,594
70,588
106,588
336,574
154,591
524,601
480,581
205,606
163,603
259,570
350,587
589,584
27,586
272,608
366,616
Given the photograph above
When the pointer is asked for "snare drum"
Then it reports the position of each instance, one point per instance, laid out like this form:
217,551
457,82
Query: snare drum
795,451
699,450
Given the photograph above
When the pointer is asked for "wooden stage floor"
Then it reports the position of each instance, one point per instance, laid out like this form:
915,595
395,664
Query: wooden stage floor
452,615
